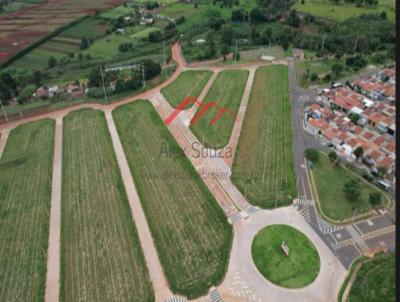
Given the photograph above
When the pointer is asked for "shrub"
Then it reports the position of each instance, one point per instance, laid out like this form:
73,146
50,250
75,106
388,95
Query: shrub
312,154
375,198
352,190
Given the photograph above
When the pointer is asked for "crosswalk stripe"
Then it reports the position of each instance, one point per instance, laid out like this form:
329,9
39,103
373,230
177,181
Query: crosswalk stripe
358,239
235,218
215,296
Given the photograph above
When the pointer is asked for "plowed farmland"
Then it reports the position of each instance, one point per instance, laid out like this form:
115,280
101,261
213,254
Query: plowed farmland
226,92
263,164
189,83
25,189
191,233
102,259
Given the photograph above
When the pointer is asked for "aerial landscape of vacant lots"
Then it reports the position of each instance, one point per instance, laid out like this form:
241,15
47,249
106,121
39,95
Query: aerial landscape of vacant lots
198,150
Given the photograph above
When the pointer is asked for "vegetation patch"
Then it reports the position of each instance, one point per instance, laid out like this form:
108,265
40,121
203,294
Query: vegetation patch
191,232
331,181
376,280
263,163
226,91
25,190
297,269
189,83
101,254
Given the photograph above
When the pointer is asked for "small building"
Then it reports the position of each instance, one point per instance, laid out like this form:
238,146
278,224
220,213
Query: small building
298,53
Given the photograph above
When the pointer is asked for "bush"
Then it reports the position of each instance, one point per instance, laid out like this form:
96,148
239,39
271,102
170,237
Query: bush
375,198
352,190
155,36
313,77
312,154
368,177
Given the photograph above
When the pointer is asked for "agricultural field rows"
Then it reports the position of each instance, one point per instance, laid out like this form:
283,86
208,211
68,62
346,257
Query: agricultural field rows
263,163
189,83
226,91
25,190
101,255
191,233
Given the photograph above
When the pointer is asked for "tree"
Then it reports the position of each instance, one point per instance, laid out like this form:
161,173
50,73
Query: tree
312,154
352,190
227,35
225,50
151,69
52,62
119,86
294,19
155,36
256,16
84,43
26,93
375,198
332,156
313,77
95,78
237,55
382,170
358,152
337,69
354,117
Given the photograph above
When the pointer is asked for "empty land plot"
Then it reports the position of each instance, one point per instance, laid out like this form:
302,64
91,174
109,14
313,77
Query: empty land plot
191,232
263,164
226,92
25,189
102,258
189,83
330,180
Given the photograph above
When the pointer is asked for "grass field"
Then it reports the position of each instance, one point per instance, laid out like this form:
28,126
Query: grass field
263,163
190,230
25,190
102,258
344,10
189,83
376,280
298,269
330,180
227,91
89,28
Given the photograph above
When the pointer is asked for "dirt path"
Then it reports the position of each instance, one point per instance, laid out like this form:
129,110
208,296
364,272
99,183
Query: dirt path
351,282
3,140
234,139
53,252
157,276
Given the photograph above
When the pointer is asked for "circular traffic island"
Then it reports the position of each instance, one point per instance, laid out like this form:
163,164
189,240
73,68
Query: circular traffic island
285,256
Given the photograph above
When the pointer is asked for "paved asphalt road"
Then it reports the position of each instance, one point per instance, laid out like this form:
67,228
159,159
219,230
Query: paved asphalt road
347,242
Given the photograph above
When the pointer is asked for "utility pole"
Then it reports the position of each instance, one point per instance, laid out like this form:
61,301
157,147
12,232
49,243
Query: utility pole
354,215
235,51
104,87
355,46
323,42
4,112
143,77
165,59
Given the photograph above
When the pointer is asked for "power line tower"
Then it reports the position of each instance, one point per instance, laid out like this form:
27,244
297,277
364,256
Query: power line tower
355,46
165,59
235,51
323,42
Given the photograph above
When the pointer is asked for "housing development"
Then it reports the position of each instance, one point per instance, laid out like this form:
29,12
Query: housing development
197,150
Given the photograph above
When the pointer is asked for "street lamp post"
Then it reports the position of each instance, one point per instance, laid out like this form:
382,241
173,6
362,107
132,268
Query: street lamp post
4,112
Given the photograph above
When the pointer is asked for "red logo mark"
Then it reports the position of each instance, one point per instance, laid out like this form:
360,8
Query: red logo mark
203,109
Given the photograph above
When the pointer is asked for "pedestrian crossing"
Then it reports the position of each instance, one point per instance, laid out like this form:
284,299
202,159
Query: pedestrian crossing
358,239
176,299
235,218
215,296
304,211
304,202
327,228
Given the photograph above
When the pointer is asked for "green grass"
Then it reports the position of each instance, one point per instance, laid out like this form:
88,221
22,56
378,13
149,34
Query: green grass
254,54
189,83
89,28
263,163
330,180
102,258
227,91
25,190
344,10
190,230
376,280
298,269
